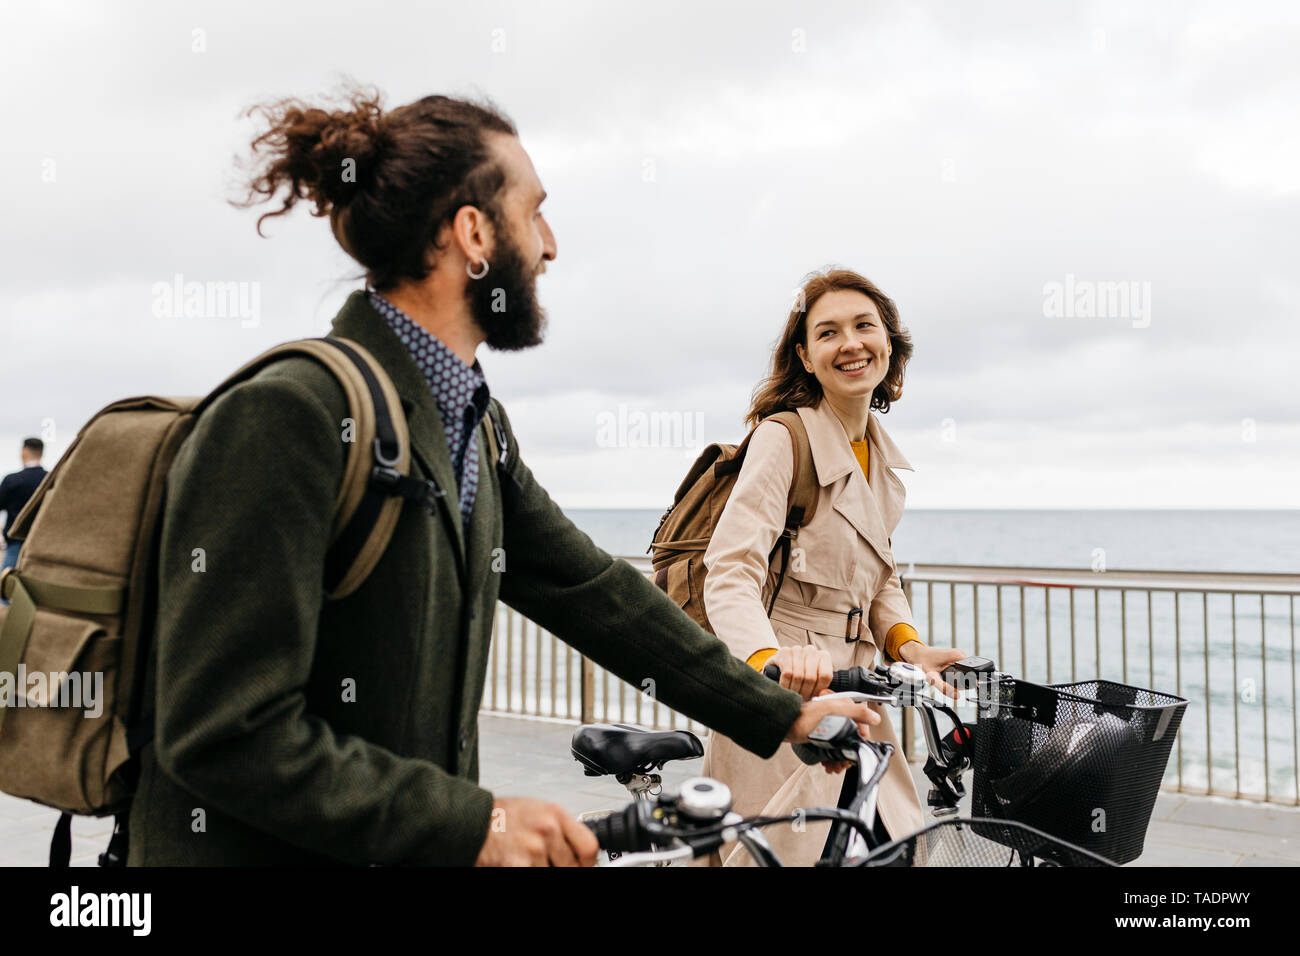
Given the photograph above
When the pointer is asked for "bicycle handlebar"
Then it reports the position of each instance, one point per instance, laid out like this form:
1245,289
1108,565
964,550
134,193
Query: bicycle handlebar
855,679
657,831
621,832
888,681
901,685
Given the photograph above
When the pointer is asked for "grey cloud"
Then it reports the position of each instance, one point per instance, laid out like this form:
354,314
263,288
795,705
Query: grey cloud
962,157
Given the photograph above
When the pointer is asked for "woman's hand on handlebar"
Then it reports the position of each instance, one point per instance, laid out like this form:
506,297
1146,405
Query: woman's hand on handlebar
933,660
805,669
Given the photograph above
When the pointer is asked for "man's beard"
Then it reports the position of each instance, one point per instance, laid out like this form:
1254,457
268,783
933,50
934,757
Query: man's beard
503,303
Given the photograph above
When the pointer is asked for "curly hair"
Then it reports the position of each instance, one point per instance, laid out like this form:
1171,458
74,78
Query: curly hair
388,180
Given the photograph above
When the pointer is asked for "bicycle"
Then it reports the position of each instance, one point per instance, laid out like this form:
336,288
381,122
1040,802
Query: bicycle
665,829
632,754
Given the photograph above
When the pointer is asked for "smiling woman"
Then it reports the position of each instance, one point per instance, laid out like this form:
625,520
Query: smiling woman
842,354
789,387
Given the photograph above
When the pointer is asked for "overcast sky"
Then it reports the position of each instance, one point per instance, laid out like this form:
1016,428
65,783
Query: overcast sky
700,160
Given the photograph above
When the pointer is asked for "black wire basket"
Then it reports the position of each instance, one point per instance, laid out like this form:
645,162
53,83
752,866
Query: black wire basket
962,841
1082,762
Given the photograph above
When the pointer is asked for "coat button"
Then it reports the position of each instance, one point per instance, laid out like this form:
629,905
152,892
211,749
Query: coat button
464,740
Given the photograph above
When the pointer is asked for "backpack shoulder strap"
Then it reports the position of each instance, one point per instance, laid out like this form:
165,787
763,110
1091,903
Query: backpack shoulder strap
376,474
803,489
802,502
501,453
498,444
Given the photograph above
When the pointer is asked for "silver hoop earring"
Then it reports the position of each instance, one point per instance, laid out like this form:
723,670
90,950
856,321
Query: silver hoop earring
472,274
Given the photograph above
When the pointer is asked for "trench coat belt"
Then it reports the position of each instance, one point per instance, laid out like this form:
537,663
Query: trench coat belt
849,623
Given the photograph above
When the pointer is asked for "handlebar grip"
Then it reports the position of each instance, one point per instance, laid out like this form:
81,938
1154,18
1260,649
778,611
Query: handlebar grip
810,755
851,679
620,832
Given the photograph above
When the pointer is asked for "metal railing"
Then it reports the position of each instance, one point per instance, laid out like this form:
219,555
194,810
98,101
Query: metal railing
532,673
1226,642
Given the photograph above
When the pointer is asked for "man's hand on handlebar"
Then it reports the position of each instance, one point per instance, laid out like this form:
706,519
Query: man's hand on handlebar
933,660
815,710
526,832
806,670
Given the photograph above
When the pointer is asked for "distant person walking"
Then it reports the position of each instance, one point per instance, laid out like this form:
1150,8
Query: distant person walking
16,489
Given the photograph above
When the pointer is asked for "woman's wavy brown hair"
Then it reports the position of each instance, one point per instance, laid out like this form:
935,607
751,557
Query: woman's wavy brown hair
789,386
388,181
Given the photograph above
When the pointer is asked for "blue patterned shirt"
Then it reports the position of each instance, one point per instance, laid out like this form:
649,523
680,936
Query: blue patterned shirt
460,390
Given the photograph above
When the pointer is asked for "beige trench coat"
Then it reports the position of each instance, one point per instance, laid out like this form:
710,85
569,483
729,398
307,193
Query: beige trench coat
842,559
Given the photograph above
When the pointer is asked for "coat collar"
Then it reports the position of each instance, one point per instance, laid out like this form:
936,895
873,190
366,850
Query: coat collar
831,451
872,506
358,320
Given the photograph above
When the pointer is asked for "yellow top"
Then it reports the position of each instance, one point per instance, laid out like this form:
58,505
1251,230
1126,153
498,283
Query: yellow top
862,452
900,633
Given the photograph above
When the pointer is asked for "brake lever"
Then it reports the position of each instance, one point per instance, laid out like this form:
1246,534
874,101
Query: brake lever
651,857
859,697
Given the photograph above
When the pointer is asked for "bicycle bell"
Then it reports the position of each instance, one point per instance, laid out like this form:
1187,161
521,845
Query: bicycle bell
909,675
702,798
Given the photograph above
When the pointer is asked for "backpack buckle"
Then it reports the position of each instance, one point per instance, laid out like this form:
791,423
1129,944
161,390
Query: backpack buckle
503,449
391,482
385,479
386,461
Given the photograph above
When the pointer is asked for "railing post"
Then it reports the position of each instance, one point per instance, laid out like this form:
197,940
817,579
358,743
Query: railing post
907,731
588,671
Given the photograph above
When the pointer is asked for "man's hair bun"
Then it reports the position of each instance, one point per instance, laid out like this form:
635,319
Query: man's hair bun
326,156
389,180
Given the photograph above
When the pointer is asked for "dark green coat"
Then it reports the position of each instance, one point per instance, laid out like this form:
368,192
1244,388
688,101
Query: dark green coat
250,662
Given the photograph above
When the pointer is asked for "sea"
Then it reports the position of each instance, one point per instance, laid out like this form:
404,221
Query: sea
1254,541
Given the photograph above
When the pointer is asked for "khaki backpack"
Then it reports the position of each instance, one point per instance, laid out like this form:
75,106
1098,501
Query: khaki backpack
686,527
83,595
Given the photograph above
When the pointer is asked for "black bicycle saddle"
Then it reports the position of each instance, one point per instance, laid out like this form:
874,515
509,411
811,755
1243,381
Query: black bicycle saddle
623,748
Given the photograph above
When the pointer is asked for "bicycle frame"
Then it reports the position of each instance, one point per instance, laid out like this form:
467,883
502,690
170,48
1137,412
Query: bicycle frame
847,843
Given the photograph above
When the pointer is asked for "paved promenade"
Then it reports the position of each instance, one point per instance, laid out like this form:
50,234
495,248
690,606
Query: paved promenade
522,757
